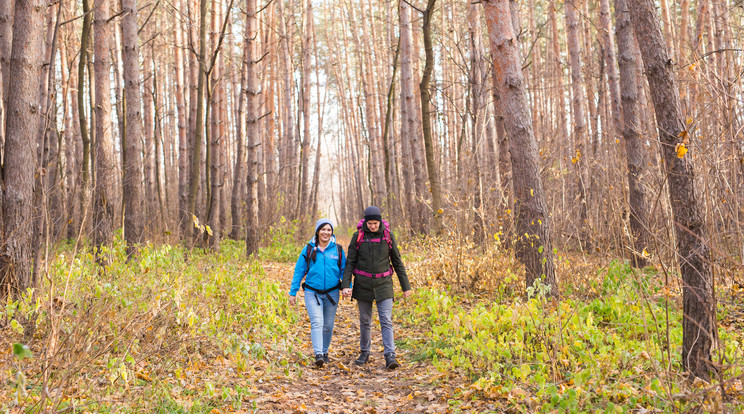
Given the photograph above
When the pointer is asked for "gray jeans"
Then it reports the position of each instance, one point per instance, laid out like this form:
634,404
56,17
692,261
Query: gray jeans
385,312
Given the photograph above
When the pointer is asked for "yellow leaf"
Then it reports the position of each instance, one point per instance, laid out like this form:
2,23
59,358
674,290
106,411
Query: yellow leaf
574,160
532,192
209,230
681,150
440,211
196,221
646,254
689,120
691,67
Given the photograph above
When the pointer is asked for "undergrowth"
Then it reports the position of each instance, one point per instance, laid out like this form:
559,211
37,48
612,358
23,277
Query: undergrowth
188,332
95,336
607,345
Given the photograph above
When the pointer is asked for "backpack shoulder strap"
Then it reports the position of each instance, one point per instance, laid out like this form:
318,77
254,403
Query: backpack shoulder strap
340,251
386,234
309,250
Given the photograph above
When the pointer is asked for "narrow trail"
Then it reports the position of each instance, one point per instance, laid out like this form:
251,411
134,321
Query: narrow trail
342,386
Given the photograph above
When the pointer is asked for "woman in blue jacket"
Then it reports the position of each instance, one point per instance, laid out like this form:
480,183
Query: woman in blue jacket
321,264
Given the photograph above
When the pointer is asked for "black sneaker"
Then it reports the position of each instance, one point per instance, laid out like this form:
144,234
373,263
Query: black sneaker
326,359
319,360
391,362
363,358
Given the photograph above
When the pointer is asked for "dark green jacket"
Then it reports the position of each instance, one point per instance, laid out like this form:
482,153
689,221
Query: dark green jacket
375,258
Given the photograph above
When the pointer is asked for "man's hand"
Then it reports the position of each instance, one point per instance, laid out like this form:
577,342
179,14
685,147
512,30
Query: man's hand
407,294
346,292
292,300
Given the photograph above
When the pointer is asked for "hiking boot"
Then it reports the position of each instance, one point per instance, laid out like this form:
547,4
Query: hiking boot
326,359
319,360
363,358
391,362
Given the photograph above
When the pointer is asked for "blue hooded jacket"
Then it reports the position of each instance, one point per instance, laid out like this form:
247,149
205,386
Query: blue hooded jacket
324,272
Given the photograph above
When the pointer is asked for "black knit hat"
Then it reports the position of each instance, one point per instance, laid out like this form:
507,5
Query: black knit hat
372,213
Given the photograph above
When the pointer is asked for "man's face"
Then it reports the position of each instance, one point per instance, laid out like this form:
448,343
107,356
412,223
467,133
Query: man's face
373,225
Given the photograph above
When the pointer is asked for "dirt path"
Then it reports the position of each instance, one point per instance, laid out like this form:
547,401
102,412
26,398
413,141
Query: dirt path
342,386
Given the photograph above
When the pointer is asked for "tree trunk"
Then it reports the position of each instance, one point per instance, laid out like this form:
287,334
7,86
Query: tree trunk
532,221
579,118
133,214
196,157
431,167
239,191
612,69
183,140
253,133
632,133
307,42
103,206
214,152
477,115
699,329
148,139
288,122
21,127
407,116
6,40
84,133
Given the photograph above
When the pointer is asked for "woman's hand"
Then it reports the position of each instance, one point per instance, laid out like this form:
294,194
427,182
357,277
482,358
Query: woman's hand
346,292
407,294
292,300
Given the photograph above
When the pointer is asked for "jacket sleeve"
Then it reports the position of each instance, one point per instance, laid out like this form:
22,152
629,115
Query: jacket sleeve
397,262
299,272
350,264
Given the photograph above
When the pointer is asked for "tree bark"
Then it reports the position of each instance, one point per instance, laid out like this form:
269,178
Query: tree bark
579,118
699,329
133,199
431,167
307,41
183,140
103,206
6,40
253,133
407,117
21,127
239,175
532,221
632,129
214,149
196,143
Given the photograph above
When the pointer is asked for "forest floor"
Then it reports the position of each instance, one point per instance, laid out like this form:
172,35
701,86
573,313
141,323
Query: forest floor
342,386
203,332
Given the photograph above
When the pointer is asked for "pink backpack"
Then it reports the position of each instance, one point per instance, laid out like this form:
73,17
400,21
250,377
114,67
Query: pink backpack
385,234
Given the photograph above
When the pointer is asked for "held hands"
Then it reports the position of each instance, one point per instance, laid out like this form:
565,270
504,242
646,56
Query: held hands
346,292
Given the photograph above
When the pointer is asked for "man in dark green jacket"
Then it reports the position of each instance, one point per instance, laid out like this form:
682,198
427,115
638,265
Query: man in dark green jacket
373,257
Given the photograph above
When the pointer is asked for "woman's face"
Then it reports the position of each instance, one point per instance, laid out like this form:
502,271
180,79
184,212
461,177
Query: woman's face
373,225
325,233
